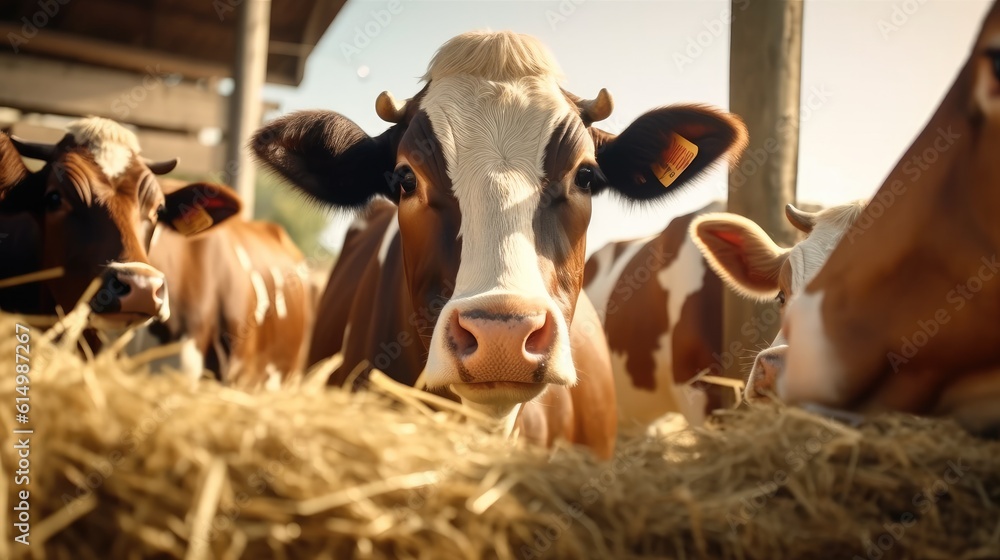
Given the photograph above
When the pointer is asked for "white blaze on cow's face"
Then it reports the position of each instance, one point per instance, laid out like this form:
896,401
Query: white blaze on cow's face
504,334
753,265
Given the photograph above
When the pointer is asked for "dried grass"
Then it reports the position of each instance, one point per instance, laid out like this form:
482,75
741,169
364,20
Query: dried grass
124,465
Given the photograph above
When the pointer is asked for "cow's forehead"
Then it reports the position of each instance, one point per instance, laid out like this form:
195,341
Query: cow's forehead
76,169
809,255
798,267
493,101
489,127
113,147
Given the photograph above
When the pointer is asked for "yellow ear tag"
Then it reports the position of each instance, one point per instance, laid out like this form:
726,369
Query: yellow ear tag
676,159
194,220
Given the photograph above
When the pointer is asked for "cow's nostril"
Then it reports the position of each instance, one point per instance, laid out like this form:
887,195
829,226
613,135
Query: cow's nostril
540,341
121,288
465,343
161,291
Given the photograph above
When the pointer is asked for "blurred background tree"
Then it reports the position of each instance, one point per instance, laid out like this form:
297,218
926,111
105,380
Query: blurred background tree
304,220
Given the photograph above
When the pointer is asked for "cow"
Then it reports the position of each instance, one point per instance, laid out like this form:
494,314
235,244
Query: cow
237,303
661,307
750,263
472,276
903,315
91,211
241,302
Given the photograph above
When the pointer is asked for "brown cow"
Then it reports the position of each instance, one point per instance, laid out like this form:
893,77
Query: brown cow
475,276
903,316
92,210
240,302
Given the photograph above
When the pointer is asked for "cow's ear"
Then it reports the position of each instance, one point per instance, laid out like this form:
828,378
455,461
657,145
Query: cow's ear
198,207
328,157
740,252
666,148
12,168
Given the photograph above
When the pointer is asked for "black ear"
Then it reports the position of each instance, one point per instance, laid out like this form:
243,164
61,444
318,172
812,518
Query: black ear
666,148
327,156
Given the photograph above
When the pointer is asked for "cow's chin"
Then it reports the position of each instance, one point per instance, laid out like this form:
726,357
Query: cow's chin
497,399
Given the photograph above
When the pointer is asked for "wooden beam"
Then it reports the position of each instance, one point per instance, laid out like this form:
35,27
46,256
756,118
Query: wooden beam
764,75
151,100
249,73
113,55
314,28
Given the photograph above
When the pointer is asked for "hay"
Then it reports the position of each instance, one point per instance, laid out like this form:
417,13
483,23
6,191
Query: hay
129,466
38,276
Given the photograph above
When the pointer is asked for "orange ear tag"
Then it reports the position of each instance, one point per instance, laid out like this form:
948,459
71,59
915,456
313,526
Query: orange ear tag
194,220
676,159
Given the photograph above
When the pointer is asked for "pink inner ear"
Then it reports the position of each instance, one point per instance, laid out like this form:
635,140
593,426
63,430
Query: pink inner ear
730,237
216,202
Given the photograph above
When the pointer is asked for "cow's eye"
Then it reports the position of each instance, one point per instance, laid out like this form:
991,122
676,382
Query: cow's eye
994,56
53,201
585,178
404,181
780,298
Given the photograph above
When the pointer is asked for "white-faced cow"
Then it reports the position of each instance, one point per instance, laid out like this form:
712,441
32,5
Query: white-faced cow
903,316
753,265
92,210
474,275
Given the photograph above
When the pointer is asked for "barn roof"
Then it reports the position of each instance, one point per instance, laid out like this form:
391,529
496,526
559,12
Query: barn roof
194,38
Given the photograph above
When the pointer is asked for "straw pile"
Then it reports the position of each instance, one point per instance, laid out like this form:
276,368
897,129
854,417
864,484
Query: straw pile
128,466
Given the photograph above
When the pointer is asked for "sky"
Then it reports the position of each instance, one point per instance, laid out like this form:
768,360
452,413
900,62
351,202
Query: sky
873,72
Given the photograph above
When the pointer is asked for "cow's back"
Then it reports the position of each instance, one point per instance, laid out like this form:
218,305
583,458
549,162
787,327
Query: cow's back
269,339
239,300
661,306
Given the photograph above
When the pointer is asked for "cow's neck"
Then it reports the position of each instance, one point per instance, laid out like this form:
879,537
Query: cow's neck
395,303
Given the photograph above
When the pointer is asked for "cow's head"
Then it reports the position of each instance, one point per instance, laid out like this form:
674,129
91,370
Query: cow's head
754,266
903,315
95,205
493,167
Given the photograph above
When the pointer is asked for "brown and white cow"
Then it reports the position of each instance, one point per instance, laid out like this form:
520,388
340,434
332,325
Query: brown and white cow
752,264
92,210
903,316
241,302
475,275
661,306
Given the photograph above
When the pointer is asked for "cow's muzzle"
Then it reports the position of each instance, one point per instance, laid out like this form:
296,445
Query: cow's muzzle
767,369
132,292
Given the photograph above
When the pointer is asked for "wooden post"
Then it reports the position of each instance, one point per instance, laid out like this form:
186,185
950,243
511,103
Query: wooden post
764,79
249,72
